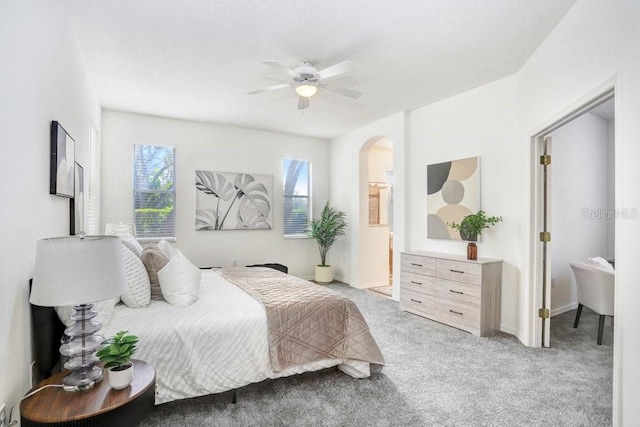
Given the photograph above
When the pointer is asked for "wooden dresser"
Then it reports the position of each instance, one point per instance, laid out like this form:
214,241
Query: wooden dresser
453,290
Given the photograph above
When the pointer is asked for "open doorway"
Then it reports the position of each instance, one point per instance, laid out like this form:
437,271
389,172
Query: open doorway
575,206
378,237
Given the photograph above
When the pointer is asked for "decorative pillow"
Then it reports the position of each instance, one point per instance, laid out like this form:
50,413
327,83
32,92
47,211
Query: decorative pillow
104,309
154,259
168,250
139,293
130,242
180,281
601,263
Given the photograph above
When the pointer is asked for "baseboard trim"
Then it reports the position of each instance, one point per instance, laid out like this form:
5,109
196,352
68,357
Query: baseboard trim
370,285
564,309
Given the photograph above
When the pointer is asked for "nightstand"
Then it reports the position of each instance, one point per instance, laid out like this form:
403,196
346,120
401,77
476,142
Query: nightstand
98,406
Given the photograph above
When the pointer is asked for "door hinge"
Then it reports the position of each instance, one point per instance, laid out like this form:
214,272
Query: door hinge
543,312
545,236
545,159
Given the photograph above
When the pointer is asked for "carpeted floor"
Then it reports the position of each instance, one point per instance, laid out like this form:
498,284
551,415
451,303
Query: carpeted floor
434,376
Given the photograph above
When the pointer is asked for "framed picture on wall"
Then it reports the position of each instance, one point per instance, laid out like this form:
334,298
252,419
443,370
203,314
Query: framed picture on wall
62,170
76,204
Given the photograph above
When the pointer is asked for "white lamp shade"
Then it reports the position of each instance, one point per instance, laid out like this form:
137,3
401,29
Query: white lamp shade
75,270
306,90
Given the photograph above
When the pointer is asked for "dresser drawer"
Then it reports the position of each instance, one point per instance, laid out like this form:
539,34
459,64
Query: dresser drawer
459,292
419,283
463,316
418,264
458,271
418,303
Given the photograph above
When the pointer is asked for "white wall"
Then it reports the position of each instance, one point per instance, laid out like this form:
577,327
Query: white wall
481,122
579,194
592,48
42,78
593,44
203,146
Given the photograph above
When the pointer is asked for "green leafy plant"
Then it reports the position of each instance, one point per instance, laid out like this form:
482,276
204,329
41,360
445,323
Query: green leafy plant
118,350
327,229
472,225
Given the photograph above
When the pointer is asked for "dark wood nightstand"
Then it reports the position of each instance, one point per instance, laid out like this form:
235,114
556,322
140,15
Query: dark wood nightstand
98,406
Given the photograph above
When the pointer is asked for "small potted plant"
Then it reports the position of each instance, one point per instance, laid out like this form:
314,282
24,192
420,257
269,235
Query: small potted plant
471,227
116,355
325,231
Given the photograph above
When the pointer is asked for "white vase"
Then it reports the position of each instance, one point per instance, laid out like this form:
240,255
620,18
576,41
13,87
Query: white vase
324,274
121,379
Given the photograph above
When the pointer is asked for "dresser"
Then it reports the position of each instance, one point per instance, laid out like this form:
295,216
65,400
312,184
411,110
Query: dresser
453,290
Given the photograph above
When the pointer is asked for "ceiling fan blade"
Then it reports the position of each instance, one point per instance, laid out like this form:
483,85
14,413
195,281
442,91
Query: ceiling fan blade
335,70
270,88
303,102
349,93
280,67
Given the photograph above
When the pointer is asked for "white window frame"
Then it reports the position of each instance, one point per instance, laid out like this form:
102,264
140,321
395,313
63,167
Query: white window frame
285,197
172,236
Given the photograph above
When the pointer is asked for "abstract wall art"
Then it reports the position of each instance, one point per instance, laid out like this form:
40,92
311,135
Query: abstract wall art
453,192
233,201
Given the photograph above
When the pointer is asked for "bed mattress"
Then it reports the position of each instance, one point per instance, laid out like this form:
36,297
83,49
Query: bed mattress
218,343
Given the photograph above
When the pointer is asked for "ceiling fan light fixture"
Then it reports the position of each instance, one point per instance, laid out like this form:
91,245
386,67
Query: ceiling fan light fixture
306,90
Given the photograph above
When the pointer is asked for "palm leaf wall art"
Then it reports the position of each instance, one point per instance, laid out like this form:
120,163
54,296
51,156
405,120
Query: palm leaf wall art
233,201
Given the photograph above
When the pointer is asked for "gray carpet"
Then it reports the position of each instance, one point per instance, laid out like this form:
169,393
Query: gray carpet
435,376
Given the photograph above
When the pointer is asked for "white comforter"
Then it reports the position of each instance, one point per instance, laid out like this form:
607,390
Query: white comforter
218,343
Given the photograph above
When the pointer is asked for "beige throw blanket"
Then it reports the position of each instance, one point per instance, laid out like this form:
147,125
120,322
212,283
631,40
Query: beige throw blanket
306,321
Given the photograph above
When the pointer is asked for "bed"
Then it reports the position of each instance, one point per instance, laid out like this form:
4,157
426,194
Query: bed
230,337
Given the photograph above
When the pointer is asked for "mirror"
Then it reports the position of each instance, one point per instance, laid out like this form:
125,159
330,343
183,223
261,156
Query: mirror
379,203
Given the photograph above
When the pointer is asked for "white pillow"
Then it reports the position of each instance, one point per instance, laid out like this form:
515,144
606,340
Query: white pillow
180,281
167,249
139,293
601,263
130,242
104,309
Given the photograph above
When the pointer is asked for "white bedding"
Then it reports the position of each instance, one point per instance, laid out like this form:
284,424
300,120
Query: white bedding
218,343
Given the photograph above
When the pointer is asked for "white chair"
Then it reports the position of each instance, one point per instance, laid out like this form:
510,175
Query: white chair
113,229
595,290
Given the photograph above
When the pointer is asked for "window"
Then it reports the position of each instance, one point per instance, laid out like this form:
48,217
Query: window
154,192
297,197
93,211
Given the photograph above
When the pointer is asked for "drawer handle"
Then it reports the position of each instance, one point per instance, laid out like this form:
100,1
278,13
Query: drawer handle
456,292
457,271
416,283
415,300
417,265
457,312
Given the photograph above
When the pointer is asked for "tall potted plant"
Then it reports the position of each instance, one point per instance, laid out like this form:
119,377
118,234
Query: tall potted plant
116,355
325,230
471,227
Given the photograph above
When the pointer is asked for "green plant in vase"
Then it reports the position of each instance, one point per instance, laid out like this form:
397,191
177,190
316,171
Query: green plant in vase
116,355
471,227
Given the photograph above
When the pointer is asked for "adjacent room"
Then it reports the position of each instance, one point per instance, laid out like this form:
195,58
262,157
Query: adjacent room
284,213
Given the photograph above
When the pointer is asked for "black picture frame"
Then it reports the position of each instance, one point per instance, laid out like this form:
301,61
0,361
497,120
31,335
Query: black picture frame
62,168
76,203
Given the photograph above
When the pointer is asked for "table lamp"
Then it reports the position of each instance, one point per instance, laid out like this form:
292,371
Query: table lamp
78,271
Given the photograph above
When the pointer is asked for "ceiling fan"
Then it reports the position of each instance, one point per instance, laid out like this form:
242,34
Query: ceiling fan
307,80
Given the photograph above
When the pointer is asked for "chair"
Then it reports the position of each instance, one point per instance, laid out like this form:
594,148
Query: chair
113,229
595,290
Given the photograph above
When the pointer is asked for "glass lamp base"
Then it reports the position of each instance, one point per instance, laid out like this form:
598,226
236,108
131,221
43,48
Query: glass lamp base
83,379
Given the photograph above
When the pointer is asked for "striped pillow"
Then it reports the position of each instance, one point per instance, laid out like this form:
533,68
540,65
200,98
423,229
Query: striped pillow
139,293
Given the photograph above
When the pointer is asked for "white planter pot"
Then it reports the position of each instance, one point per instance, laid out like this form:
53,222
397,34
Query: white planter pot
120,379
324,274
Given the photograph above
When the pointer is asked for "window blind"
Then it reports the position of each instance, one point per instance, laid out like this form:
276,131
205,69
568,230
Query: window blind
93,208
154,191
297,197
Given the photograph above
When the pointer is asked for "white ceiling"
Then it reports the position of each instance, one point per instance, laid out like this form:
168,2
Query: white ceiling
197,59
